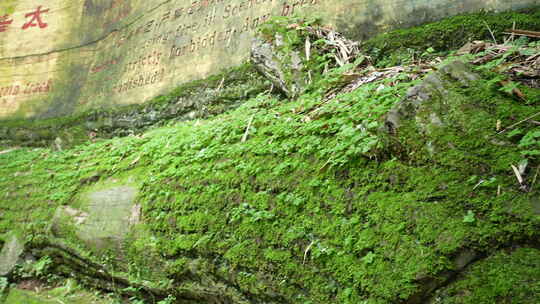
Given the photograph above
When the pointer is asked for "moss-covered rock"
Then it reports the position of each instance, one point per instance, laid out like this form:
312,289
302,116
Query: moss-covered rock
11,253
284,69
427,105
508,276
108,216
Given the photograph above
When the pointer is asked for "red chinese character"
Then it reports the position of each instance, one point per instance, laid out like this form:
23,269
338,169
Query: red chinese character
4,22
36,16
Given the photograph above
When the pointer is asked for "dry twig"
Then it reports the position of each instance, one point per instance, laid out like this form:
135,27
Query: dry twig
518,123
246,134
531,34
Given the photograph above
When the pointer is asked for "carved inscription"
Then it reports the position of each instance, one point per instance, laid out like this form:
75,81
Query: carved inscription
151,59
224,15
34,18
141,80
25,89
103,66
177,32
158,45
12,95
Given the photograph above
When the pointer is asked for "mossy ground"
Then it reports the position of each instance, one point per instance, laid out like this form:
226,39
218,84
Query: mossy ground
65,294
303,201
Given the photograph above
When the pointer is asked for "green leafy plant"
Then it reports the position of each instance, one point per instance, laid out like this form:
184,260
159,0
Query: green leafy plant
530,143
4,284
169,300
41,267
470,217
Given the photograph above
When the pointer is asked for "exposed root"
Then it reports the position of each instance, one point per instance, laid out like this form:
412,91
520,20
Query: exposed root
68,262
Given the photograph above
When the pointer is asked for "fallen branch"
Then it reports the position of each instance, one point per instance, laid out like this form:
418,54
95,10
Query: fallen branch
531,34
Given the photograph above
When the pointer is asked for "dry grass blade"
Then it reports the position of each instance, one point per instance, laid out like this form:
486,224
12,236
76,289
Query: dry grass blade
518,175
490,32
220,86
307,251
246,134
7,151
308,48
519,122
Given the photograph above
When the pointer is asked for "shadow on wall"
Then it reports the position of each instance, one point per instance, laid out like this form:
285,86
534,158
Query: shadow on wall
63,100
376,20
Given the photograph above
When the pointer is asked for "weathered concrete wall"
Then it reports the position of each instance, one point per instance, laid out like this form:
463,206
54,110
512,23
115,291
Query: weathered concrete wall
63,56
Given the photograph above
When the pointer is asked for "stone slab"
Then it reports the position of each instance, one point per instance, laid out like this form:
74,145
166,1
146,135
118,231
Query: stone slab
109,216
102,216
10,254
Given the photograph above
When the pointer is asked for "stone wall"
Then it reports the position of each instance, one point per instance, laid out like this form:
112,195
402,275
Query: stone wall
59,57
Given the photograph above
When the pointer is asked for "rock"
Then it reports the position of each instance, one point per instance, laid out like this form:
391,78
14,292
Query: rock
421,101
464,258
65,215
11,254
109,211
428,107
104,220
458,70
429,283
283,69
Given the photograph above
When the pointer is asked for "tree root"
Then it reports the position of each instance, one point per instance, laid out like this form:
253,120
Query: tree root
68,262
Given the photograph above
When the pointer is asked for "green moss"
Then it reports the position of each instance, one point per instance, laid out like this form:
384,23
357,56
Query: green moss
401,46
71,293
20,297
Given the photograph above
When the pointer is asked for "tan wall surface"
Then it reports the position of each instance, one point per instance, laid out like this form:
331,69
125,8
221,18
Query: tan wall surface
62,56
